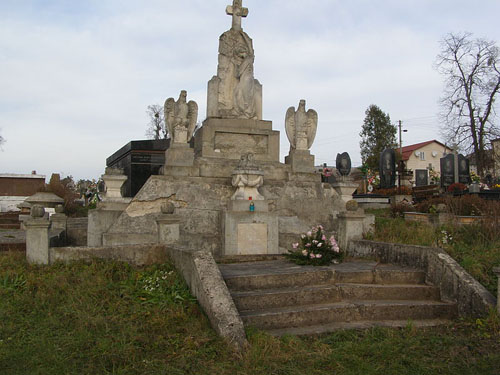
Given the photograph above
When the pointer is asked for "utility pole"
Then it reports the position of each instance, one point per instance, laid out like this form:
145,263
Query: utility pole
401,165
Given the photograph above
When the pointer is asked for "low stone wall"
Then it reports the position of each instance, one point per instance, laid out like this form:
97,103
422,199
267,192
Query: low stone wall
441,270
206,283
138,255
76,232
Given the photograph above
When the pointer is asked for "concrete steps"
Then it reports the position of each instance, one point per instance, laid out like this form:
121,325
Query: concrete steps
281,297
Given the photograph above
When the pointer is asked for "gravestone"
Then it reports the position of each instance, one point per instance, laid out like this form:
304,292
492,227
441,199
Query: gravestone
421,177
139,160
343,164
463,170
387,169
447,164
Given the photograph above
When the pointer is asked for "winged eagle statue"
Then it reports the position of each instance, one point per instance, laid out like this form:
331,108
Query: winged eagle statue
301,126
180,118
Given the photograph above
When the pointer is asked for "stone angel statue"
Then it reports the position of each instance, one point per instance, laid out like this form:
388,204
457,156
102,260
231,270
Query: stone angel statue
180,118
301,126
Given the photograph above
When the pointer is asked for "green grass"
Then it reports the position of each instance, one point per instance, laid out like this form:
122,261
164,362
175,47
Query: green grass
474,247
109,318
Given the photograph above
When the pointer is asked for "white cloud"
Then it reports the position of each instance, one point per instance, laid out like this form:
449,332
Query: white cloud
77,77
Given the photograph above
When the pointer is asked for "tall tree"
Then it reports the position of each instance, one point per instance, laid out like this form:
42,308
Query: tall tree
471,68
377,134
156,126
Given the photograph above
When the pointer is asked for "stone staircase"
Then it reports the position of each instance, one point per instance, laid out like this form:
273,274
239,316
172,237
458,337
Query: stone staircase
283,298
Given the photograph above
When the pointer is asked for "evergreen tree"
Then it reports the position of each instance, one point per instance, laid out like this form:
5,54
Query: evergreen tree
377,134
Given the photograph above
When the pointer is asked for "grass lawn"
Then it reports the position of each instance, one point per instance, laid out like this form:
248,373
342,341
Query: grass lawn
109,318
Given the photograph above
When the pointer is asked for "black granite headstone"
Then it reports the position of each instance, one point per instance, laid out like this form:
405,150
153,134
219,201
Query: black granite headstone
343,164
447,165
139,160
463,170
387,169
421,177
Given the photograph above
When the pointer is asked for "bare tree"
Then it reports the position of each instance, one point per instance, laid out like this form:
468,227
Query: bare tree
2,141
471,68
156,127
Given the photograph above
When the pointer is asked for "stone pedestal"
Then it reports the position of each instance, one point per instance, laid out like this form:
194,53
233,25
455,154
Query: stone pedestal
58,221
250,233
350,227
37,241
113,184
179,155
168,229
102,218
231,138
301,161
345,189
496,271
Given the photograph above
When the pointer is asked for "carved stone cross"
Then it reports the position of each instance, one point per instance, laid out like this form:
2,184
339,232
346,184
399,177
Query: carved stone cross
237,11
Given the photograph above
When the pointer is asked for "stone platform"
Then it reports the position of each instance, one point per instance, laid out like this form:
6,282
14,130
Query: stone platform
298,202
284,298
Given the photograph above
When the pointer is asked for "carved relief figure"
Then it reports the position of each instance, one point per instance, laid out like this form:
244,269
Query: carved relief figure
180,118
301,126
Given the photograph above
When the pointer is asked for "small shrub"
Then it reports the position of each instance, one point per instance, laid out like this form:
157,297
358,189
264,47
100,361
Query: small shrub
398,209
457,187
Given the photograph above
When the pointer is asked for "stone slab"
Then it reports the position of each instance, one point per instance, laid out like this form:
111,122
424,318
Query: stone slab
231,138
248,233
252,238
301,161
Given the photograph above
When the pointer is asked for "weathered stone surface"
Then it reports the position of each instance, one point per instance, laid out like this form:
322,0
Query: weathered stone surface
234,92
350,227
114,183
231,138
441,270
37,211
180,119
247,178
201,202
301,127
37,240
301,161
99,223
138,255
206,283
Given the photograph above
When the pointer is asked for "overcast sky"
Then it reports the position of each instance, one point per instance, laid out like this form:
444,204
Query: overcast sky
76,77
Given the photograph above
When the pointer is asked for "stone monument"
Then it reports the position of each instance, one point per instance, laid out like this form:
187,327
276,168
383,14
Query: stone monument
447,164
387,169
300,129
343,164
180,119
344,185
235,157
463,170
234,124
234,92
249,226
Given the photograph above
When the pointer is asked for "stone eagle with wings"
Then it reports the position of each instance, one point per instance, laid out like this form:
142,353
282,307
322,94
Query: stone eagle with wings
180,118
301,126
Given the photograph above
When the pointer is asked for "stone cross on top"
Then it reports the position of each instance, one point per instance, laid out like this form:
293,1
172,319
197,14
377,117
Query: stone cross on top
237,11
